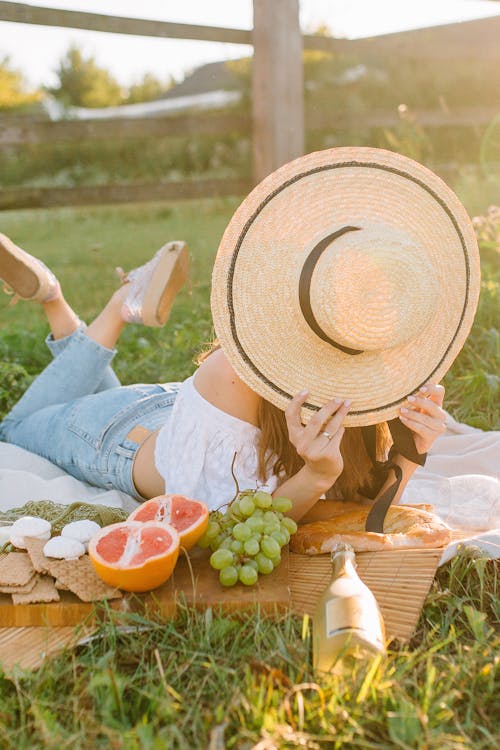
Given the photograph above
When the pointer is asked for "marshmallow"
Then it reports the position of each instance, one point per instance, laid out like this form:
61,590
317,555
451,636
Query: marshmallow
64,548
29,526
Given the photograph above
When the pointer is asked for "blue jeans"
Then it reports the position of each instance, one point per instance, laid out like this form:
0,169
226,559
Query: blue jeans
77,415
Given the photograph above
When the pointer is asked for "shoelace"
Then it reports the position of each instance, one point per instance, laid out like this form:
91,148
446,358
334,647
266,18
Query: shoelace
122,275
11,293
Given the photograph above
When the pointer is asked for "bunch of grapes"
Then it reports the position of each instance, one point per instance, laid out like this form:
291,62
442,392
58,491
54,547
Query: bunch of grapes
247,539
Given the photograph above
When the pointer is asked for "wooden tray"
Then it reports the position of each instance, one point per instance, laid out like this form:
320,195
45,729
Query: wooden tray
400,581
193,582
28,647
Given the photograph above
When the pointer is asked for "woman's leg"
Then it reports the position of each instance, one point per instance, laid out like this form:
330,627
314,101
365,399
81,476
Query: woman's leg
83,362
62,319
109,380
75,372
105,329
63,322
28,278
81,365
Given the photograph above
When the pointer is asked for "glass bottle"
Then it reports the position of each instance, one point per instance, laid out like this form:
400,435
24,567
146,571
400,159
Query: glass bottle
347,619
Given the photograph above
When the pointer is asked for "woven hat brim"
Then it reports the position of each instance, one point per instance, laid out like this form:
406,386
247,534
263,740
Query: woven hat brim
254,305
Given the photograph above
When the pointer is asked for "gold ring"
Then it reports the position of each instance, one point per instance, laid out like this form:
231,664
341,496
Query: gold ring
327,435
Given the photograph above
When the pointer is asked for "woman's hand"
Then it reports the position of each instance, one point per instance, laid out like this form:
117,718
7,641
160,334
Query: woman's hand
424,416
318,442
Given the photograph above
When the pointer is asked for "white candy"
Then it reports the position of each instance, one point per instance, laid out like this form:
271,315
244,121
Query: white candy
64,548
29,526
81,530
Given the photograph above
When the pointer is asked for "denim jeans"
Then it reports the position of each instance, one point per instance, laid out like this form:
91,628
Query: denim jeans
77,415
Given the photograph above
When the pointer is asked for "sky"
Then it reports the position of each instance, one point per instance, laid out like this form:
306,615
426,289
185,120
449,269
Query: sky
36,50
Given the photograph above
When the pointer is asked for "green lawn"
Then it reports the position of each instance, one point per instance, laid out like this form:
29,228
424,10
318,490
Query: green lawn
204,681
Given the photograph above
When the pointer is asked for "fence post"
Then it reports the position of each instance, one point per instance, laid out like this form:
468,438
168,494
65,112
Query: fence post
277,85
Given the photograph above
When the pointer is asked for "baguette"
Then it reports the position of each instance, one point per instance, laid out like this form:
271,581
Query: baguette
405,527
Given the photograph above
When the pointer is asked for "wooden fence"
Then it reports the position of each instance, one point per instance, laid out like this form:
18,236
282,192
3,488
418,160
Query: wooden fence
28,132
276,124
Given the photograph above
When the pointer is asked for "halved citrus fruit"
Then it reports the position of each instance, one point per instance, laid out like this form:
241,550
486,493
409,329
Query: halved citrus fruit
188,517
135,556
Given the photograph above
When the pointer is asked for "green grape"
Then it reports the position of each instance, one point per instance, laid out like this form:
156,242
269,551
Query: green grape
271,518
270,547
203,542
247,506
216,543
263,499
256,525
289,524
259,513
252,562
236,547
248,575
264,564
213,530
221,558
276,559
286,535
251,546
270,527
228,576
234,507
226,543
242,532
282,504
280,537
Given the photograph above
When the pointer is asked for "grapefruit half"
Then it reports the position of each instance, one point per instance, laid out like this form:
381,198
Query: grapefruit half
188,517
135,556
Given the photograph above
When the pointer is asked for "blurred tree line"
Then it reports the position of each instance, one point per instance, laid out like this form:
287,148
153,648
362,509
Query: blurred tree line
81,82
334,85
14,93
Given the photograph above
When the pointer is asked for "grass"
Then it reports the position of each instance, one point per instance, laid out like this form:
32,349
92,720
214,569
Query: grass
211,681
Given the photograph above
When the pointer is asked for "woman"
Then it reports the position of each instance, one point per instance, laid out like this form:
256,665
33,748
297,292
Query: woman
196,437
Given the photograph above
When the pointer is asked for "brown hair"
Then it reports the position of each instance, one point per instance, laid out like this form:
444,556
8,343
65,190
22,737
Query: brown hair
277,454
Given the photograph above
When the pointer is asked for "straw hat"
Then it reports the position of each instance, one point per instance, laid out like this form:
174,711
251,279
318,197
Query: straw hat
349,272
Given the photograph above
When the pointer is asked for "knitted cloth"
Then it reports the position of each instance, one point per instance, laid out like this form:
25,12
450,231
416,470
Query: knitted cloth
59,515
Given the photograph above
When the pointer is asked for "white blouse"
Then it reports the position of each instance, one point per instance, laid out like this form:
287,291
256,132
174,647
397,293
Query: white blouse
195,449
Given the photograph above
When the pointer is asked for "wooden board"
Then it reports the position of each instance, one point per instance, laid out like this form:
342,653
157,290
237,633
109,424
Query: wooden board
28,647
399,579
193,582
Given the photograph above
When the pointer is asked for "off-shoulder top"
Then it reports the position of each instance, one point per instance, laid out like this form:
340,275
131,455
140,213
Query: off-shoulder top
196,446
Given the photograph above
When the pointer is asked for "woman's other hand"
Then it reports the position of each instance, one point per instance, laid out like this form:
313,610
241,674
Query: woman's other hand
318,442
424,416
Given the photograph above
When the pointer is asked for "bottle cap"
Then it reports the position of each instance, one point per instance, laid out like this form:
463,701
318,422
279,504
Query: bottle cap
341,547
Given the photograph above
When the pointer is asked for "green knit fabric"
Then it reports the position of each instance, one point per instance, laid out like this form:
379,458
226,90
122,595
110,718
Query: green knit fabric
59,515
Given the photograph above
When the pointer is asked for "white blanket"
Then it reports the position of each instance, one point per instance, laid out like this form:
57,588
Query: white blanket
460,479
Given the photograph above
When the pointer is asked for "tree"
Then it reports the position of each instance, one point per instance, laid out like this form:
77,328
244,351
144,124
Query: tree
147,89
13,89
82,83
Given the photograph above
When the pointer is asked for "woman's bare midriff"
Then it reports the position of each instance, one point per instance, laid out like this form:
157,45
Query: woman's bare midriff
148,482
217,383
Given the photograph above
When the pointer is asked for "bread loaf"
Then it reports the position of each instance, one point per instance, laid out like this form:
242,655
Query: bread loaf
404,527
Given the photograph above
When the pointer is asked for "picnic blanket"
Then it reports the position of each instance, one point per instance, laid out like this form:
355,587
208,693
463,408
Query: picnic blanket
460,479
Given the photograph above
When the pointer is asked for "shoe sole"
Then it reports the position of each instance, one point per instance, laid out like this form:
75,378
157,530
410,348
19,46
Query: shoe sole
16,271
170,276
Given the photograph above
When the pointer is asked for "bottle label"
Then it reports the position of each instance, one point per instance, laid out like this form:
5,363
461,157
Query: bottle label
349,612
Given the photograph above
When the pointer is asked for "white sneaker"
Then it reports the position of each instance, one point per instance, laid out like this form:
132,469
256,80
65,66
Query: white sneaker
154,285
25,276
